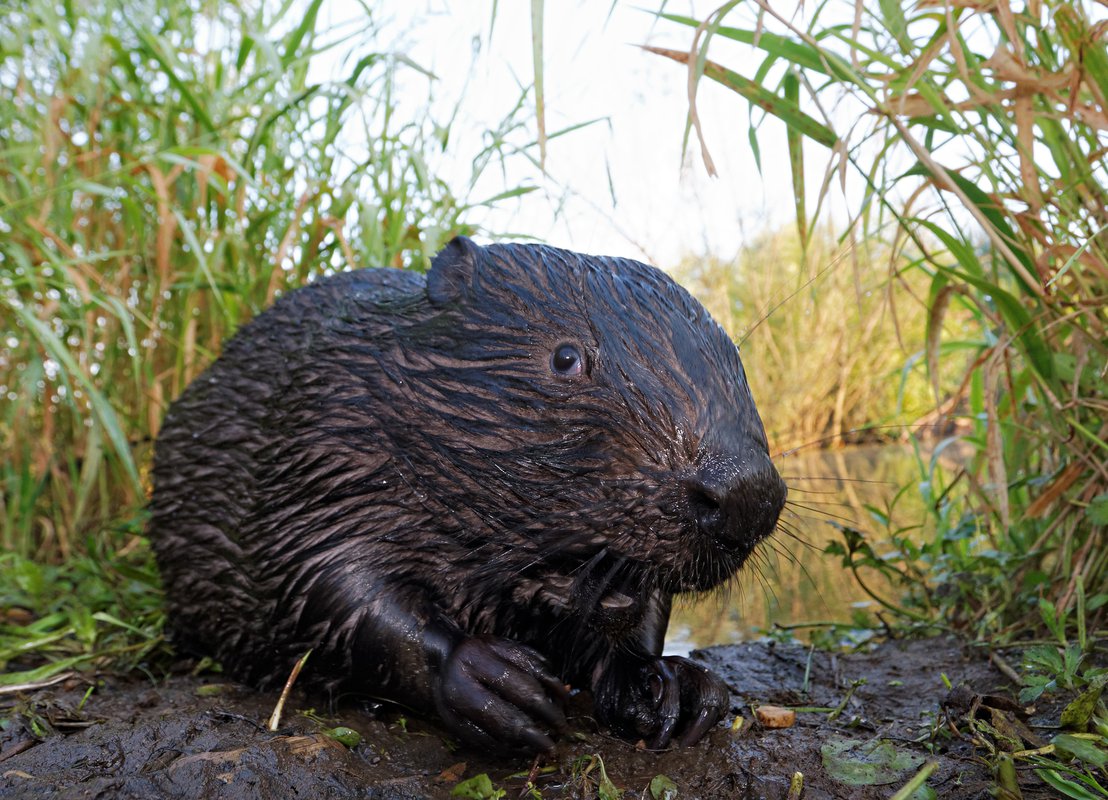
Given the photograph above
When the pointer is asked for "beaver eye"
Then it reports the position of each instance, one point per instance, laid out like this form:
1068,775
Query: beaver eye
566,360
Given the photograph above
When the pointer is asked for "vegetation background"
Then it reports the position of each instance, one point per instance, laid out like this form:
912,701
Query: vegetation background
980,134
166,170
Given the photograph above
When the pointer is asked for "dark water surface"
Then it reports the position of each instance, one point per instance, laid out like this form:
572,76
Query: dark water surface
791,581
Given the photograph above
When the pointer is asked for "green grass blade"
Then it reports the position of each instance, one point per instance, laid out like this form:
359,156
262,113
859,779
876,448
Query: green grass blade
797,53
296,37
45,672
105,415
160,53
778,106
791,88
537,62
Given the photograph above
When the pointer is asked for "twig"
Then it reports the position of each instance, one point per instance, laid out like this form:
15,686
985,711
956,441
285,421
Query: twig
275,717
15,688
918,780
1001,664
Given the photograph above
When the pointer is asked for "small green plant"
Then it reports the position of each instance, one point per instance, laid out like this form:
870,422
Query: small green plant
479,787
1058,665
1048,668
588,775
94,611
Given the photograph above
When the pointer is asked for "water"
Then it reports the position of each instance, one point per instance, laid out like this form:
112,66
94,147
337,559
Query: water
791,581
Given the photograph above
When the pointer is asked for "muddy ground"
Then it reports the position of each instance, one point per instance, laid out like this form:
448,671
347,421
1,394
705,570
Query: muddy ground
192,737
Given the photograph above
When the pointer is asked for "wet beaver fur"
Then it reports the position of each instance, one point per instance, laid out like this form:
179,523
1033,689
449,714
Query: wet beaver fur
464,490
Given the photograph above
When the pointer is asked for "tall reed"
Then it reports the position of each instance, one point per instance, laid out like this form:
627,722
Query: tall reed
831,336
166,170
978,130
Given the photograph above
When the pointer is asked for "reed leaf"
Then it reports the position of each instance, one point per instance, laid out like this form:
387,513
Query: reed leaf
776,105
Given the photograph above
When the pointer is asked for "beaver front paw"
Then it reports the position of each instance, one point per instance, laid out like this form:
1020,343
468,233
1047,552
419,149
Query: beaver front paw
499,694
660,699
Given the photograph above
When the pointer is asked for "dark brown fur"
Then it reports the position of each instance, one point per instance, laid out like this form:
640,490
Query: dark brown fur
390,471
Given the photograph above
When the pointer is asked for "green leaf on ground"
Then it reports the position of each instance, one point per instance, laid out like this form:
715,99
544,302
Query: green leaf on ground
1079,712
479,787
662,787
345,736
1097,512
873,762
1090,748
1067,787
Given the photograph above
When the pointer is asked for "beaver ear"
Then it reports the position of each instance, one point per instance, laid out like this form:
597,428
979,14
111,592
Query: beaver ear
452,271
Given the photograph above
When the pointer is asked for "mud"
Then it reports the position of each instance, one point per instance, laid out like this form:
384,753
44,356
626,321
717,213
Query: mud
197,736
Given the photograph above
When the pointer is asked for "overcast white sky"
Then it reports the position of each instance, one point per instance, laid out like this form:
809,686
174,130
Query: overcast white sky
663,208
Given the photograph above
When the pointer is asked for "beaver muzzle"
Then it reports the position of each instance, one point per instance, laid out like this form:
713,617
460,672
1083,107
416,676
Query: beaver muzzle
735,502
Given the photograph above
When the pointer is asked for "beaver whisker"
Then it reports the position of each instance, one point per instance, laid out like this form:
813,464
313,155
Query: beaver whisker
779,552
758,563
837,504
837,478
790,531
810,578
793,488
792,506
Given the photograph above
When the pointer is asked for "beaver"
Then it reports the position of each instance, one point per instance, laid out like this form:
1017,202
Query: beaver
463,490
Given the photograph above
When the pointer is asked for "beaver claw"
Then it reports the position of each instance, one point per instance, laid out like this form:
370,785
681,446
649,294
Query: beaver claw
660,699
499,694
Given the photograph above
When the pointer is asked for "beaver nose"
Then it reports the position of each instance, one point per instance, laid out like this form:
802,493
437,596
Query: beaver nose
736,501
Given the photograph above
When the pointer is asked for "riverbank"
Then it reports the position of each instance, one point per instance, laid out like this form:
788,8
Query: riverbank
866,723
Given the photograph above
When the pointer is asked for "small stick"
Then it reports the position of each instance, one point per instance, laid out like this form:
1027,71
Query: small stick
16,688
918,780
796,786
1001,664
275,717
531,776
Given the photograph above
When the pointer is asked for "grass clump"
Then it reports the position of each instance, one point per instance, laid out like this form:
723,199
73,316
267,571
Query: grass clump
164,174
97,610
166,170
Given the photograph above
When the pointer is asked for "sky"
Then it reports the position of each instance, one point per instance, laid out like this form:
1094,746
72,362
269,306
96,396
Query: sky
621,185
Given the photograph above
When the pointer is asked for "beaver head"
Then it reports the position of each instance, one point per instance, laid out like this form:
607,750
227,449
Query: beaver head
584,423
